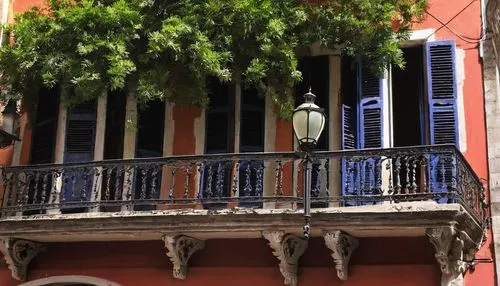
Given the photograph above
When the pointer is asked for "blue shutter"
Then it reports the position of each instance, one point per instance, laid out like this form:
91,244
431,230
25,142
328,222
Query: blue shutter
79,147
443,120
442,92
370,109
349,142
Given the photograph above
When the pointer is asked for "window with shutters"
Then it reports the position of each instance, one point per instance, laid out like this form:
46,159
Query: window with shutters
79,147
418,108
223,115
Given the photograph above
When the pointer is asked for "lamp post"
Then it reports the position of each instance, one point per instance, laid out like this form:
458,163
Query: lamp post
308,123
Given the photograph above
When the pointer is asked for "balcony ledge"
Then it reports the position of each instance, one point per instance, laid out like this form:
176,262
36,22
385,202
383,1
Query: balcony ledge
382,220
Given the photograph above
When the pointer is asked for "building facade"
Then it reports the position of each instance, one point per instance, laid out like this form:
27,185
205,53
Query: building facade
109,192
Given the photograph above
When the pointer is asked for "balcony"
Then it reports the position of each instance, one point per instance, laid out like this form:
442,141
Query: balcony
417,191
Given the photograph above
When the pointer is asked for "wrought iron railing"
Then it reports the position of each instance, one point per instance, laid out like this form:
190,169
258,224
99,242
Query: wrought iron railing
252,180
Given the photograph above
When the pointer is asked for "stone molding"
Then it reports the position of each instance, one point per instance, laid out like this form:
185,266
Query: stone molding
18,254
179,250
342,246
454,252
288,248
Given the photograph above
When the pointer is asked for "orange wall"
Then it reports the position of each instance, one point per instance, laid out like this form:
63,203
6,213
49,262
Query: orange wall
240,262
467,24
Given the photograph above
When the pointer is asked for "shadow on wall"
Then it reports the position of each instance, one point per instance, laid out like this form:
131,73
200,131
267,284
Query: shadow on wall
68,280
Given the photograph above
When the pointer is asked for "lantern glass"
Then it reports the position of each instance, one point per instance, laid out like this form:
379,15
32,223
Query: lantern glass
308,122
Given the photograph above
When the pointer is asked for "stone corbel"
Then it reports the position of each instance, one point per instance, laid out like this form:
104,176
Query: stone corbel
179,250
454,249
288,248
18,254
342,246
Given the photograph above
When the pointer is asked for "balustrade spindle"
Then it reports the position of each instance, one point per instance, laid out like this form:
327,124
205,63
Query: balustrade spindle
118,186
172,184
35,196
278,179
11,182
83,192
407,175
219,184
316,185
187,174
414,184
362,176
260,174
144,177
300,166
378,177
247,189
397,179
56,185
107,193
208,190
348,177
442,172
236,183
154,178
390,187
130,171
73,182
423,163
44,188
22,188
97,186
327,170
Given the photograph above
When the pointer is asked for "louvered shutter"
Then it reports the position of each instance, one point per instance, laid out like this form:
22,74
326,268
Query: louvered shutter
370,109
442,92
349,142
370,106
79,147
443,119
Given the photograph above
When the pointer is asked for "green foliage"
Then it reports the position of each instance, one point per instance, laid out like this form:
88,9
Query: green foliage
168,49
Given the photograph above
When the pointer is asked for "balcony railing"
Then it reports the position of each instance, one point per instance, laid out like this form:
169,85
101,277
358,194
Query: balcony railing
250,180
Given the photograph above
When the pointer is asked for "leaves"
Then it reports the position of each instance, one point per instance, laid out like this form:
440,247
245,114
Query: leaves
167,49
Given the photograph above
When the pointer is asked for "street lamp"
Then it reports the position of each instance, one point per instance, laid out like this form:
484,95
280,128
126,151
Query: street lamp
7,127
308,123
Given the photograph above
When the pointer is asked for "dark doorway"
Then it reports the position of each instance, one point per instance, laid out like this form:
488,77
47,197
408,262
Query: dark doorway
407,99
115,125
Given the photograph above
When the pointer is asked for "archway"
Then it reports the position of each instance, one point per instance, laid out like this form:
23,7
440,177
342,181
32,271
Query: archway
70,280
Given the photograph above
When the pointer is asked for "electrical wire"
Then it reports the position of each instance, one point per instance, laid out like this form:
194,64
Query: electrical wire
462,37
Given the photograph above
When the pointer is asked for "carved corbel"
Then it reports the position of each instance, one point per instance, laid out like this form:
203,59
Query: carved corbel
179,250
342,246
453,249
18,254
288,249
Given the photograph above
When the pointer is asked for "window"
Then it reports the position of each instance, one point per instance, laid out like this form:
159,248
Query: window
423,110
45,127
315,74
79,147
227,113
43,144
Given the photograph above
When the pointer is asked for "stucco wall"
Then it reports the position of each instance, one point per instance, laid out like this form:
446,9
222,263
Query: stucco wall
382,261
